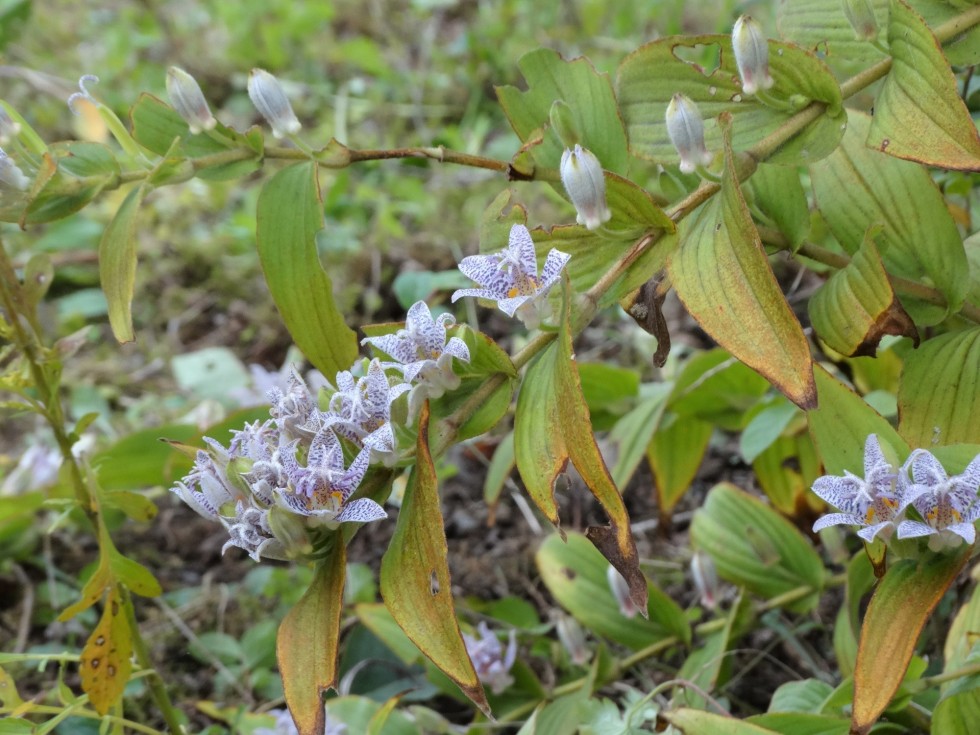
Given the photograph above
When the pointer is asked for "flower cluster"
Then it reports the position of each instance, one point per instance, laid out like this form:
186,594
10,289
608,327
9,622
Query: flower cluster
280,481
946,507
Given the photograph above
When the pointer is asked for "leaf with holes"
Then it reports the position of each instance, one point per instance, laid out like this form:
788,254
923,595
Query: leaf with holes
415,582
650,76
105,661
306,645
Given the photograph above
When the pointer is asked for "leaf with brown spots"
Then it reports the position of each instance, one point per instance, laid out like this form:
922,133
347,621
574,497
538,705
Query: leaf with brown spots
415,583
105,661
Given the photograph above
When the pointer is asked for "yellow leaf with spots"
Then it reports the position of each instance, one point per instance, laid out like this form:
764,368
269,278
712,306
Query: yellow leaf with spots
106,664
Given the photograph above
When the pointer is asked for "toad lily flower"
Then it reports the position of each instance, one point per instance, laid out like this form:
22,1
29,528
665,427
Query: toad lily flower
492,664
511,277
361,410
751,55
421,351
948,505
582,177
685,128
321,489
188,100
874,502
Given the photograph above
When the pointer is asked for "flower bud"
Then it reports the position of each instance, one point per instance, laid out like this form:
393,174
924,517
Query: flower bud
751,55
686,131
582,177
861,15
11,177
289,529
563,124
621,591
270,100
705,579
9,129
188,100
572,637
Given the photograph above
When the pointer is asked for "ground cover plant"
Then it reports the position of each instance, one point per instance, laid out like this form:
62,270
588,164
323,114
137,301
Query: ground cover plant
497,389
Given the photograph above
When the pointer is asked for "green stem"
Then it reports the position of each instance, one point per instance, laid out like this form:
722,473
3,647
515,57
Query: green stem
41,709
964,671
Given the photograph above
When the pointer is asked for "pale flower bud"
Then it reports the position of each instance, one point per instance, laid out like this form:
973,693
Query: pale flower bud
9,129
861,15
572,637
581,175
686,131
270,100
751,55
621,592
11,177
188,100
705,579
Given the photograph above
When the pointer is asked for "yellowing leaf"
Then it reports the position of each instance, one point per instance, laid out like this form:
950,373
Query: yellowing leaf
289,216
919,114
105,663
306,645
722,275
415,583
896,615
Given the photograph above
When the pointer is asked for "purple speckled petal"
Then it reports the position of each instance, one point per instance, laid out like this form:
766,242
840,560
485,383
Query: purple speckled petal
965,531
458,349
868,533
401,349
969,481
911,529
839,492
837,519
521,249
509,306
873,456
480,293
363,510
553,266
926,469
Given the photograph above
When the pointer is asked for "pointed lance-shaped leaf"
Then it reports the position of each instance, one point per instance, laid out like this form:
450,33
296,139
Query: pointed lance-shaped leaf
117,263
306,645
415,583
722,275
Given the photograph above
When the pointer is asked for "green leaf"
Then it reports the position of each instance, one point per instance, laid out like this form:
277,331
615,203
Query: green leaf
765,428
793,723
786,470
551,426
105,661
899,609
675,454
706,723
376,618
487,360
575,574
722,275
289,216
842,422
589,96
857,187
959,705
806,696
415,582
756,548
134,575
847,626
856,307
704,665
919,114
650,76
142,460
501,466
716,387
85,159
776,192
156,126
117,263
939,396
306,645
634,431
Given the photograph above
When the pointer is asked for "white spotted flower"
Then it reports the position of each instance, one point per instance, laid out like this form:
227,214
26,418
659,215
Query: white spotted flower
874,502
582,177
511,278
948,505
